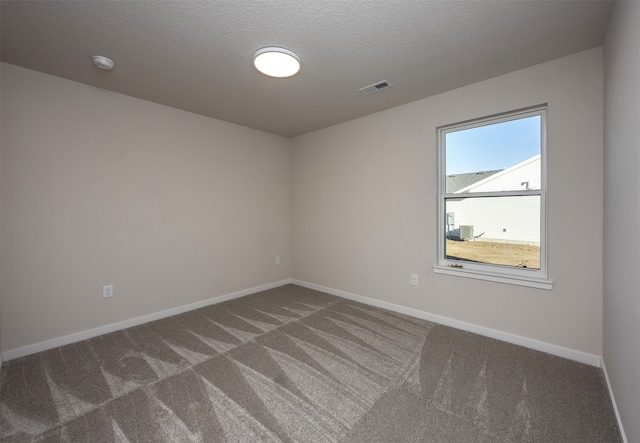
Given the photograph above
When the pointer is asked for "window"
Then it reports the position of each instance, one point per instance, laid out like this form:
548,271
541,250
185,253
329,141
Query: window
492,199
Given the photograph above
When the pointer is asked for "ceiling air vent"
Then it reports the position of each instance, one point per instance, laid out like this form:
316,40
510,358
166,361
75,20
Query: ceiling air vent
375,87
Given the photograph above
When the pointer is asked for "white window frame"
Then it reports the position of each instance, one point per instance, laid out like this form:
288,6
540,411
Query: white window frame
536,278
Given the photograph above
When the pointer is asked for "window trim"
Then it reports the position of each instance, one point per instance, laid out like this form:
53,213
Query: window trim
536,278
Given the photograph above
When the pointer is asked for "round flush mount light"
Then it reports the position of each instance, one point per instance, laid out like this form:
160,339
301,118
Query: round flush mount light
276,62
103,63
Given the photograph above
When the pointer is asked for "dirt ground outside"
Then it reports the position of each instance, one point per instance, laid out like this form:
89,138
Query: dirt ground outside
495,253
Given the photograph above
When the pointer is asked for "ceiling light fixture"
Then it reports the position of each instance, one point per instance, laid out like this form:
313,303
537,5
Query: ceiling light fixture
103,63
276,62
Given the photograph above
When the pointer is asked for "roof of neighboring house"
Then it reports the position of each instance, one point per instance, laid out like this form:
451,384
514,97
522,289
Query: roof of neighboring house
456,182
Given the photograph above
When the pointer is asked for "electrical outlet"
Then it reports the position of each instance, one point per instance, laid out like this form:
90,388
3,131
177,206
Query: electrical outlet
107,291
414,279
278,260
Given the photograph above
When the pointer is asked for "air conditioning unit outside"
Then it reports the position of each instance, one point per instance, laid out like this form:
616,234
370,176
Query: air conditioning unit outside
466,232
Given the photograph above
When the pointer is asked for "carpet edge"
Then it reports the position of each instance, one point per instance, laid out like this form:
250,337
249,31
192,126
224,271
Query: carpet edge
559,351
612,399
100,330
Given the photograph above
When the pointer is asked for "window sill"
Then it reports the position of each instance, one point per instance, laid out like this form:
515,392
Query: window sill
499,278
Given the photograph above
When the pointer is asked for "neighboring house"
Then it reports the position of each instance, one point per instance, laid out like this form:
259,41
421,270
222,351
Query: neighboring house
514,219
456,182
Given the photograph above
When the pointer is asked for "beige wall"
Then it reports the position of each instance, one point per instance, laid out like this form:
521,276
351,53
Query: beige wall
99,188
364,202
622,213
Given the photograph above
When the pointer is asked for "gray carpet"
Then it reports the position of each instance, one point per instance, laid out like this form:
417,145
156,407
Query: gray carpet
296,365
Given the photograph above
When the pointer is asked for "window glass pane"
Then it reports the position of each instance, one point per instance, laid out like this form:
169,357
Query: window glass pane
498,157
494,230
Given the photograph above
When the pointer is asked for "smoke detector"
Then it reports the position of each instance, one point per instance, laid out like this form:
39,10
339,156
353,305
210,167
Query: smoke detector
384,84
104,63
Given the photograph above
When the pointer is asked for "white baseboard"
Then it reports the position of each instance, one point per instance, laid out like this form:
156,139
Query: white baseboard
73,338
499,335
613,401
559,351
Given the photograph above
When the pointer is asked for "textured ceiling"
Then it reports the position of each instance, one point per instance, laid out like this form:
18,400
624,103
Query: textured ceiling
196,55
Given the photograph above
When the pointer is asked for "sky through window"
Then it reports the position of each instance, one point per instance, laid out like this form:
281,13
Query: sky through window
492,147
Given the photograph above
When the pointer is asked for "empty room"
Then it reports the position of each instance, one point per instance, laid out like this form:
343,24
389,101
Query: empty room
340,221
